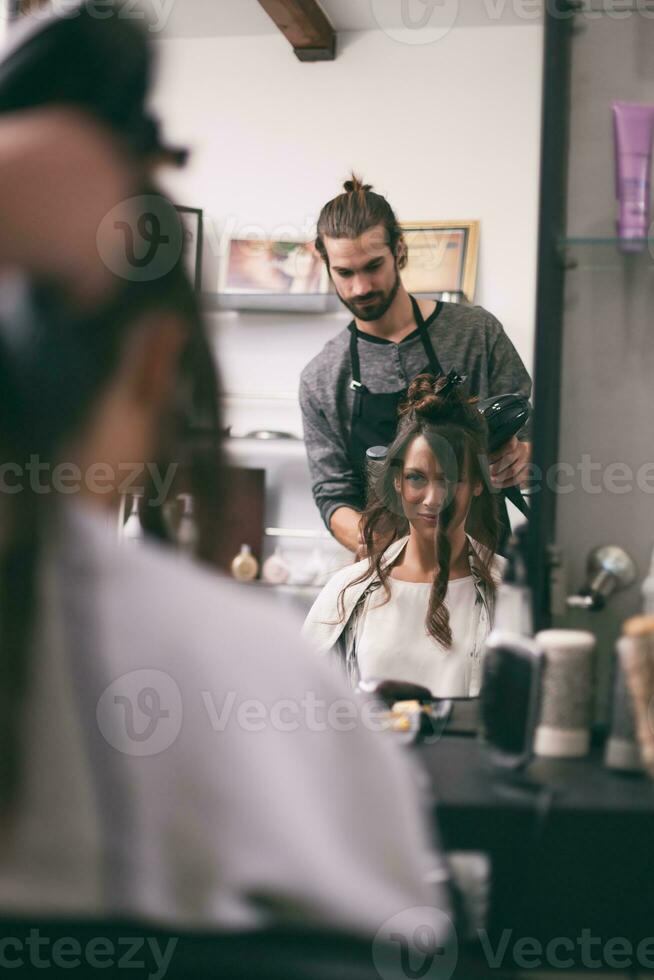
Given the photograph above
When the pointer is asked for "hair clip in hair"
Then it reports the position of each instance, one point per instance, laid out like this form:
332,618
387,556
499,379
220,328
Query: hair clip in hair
453,380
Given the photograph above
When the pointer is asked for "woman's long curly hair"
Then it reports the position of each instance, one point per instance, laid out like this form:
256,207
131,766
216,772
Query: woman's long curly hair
457,435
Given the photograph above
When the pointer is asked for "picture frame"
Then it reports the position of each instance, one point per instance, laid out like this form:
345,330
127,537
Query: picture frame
192,222
442,258
275,268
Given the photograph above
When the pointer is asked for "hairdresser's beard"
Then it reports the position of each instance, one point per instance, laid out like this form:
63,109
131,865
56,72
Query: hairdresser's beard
374,311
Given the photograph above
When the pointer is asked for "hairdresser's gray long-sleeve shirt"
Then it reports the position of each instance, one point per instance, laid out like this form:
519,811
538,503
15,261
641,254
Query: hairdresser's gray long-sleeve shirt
466,338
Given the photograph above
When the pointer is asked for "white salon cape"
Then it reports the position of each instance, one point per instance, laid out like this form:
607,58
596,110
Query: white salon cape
178,765
392,639
375,638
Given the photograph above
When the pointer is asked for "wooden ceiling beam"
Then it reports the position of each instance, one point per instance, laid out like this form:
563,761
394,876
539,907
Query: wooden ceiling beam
305,26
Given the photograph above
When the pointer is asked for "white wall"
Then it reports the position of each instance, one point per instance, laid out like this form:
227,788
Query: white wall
4,20
447,130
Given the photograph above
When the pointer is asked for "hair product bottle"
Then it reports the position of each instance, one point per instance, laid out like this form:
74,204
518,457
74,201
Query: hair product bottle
637,659
633,125
245,566
513,601
622,748
187,532
566,710
133,529
275,570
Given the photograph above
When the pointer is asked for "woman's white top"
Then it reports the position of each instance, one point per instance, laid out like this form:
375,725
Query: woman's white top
348,617
181,762
393,642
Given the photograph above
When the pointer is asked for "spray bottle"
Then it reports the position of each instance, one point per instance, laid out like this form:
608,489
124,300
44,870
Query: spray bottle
133,529
187,532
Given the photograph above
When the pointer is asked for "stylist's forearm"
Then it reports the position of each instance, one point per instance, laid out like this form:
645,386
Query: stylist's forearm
60,175
345,526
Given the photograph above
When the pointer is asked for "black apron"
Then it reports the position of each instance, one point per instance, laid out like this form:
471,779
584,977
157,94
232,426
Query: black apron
374,416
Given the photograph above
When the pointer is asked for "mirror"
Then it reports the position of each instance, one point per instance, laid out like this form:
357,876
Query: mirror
593,417
438,107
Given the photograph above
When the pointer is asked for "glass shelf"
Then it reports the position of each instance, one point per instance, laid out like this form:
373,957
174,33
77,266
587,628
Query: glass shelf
598,253
596,240
271,302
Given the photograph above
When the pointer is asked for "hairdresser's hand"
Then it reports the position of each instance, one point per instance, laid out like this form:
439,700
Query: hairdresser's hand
345,525
362,550
509,465
60,175
380,542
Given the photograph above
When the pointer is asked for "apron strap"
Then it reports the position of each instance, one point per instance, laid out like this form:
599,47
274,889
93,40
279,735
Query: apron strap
355,366
434,363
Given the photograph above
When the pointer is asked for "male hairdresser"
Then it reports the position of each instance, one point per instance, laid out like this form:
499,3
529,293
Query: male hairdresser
350,392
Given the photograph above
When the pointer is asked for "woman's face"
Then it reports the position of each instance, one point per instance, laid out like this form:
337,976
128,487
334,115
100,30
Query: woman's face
424,490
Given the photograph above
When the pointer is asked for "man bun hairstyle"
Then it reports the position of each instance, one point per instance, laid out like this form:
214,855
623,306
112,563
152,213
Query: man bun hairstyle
354,186
356,210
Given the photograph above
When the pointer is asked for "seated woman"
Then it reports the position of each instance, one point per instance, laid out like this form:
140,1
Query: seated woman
420,606
132,787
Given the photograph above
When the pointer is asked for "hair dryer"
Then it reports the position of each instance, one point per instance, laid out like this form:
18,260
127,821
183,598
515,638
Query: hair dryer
505,415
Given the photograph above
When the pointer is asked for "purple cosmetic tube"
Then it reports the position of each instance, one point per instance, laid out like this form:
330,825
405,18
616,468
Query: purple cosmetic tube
633,126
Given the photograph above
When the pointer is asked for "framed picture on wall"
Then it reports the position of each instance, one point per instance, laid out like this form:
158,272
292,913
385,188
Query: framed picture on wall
442,258
192,222
259,266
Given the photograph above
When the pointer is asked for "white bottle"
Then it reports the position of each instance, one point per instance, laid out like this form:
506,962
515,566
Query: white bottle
275,570
187,532
133,529
647,590
513,599
245,566
513,609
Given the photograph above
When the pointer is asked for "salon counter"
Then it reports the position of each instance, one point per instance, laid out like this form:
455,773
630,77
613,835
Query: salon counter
571,843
